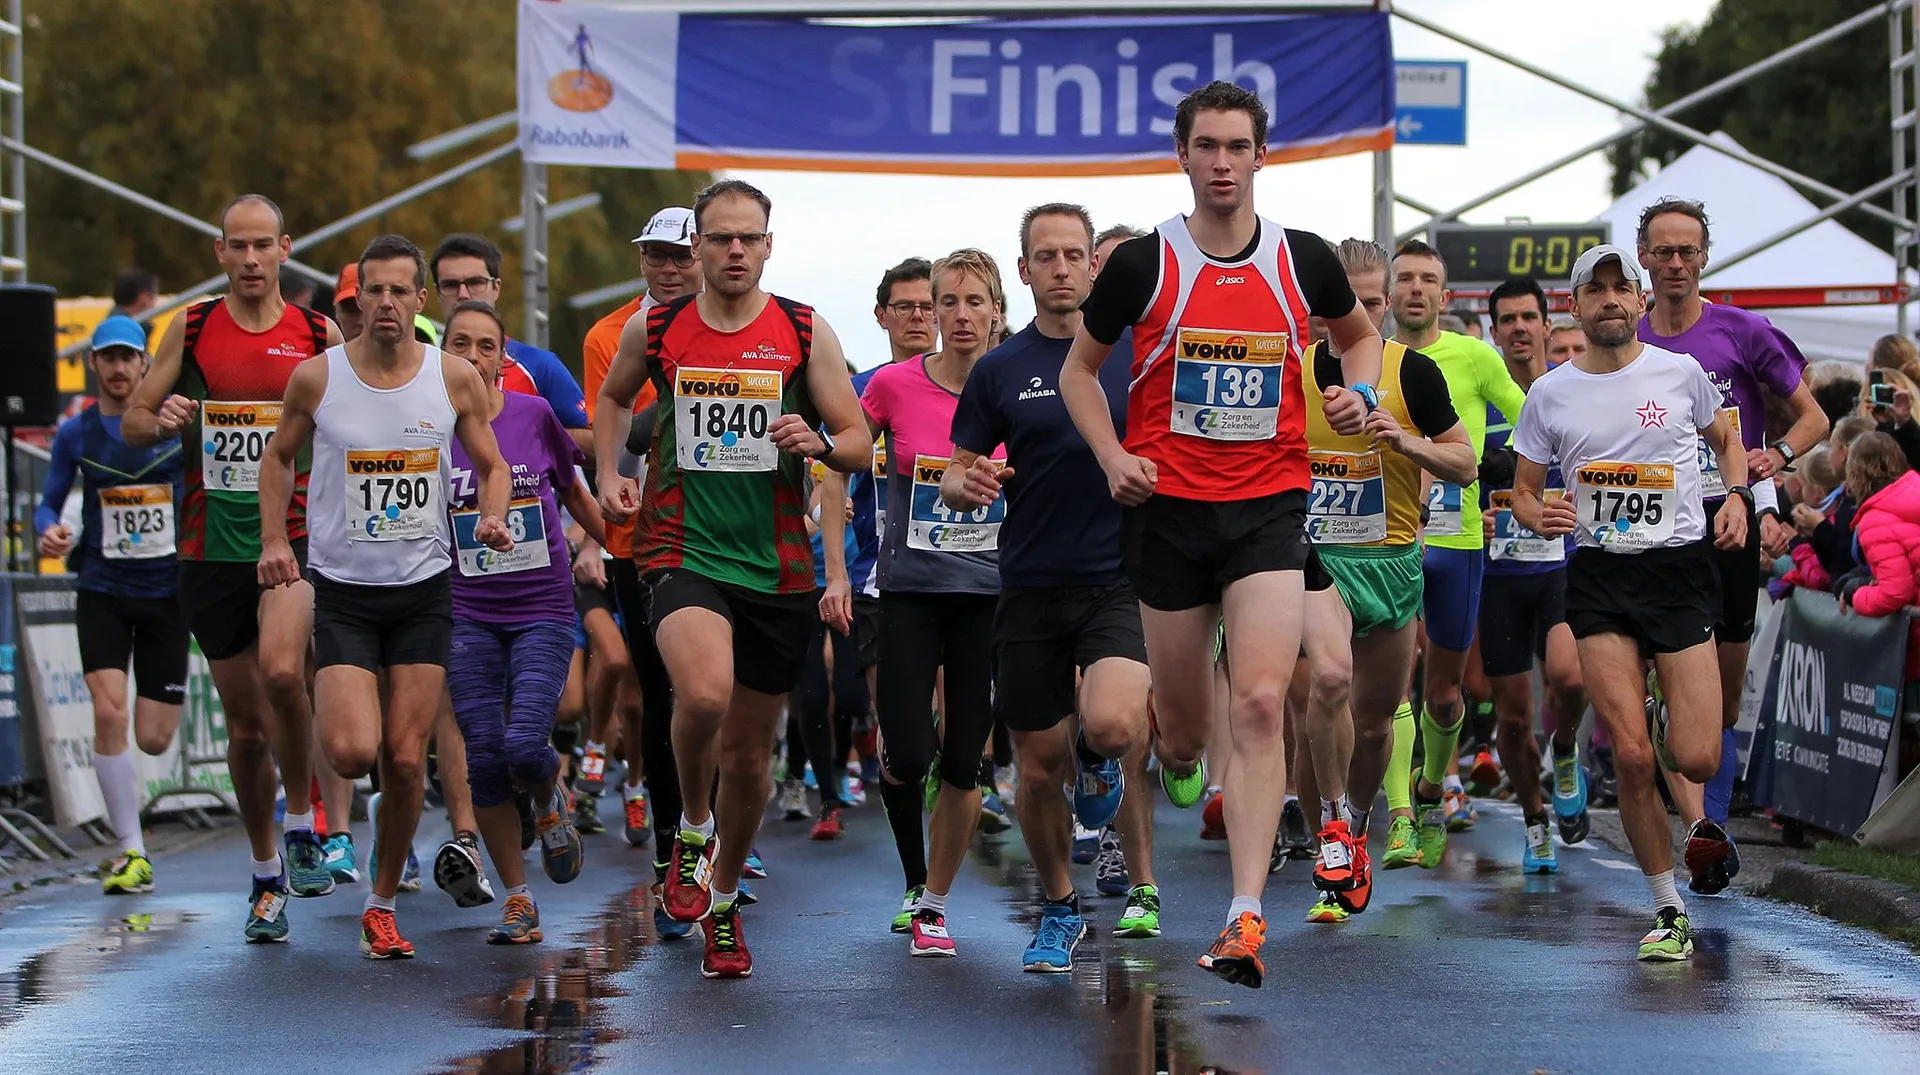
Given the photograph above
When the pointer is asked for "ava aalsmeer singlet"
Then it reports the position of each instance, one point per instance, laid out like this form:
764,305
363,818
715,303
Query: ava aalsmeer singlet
240,379
742,526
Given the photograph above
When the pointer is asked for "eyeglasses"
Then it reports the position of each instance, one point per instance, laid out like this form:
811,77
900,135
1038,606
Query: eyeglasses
725,239
659,259
472,284
399,292
908,309
1666,253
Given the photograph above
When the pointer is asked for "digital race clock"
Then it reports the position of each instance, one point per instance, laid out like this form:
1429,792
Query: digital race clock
1489,253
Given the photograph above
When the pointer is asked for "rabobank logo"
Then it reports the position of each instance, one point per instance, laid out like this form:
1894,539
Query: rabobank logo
581,89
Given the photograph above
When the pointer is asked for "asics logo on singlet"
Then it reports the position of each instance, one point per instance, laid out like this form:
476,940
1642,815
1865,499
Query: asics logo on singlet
1229,280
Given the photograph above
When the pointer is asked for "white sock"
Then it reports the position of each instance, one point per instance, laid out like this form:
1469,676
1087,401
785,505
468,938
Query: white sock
1289,799
1243,905
705,828
298,822
725,900
933,901
634,791
1452,783
384,903
119,786
1664,894
267,868
517,890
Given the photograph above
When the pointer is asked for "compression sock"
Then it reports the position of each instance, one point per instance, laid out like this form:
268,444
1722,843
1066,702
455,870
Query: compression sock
119,787
904,803
1400,759
1439,744
1719,790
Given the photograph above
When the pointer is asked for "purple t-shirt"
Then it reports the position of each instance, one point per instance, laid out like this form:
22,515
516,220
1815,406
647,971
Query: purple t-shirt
1741,351
534,581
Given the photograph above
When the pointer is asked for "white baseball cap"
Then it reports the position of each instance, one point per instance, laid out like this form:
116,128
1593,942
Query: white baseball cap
672,225
1583,269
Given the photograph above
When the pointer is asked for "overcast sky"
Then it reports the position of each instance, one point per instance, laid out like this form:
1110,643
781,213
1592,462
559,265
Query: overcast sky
835,234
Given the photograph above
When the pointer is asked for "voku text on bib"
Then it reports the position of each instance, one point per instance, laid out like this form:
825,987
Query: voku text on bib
933,526
1348,502
136,522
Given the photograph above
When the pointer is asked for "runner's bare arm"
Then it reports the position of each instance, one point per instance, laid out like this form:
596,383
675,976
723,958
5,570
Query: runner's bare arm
1730,522
142,423
586,513
1086,401
1359,346
305,389
612,414
836,604
1810,427
831,388
972,481
1529,506
472,424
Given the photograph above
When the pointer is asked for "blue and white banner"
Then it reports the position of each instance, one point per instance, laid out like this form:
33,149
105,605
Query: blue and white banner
1083,96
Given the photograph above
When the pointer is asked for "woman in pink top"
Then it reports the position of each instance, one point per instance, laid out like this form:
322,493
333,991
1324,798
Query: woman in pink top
939,580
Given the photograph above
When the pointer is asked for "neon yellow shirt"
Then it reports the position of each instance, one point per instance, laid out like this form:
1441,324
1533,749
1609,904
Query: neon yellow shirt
1476,376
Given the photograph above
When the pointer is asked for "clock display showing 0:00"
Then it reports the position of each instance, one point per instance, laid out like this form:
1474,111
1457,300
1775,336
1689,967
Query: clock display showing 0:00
1491,254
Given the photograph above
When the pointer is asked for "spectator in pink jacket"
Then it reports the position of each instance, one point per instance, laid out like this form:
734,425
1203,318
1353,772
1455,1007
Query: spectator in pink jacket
1886,525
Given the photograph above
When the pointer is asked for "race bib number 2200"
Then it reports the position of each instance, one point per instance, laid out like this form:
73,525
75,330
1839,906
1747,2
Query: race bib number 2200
1226,385
233,441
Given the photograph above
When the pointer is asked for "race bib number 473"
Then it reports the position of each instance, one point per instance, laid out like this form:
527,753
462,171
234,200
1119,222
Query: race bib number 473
721,418
393,494
1226,385
1627,506
934,527
233,441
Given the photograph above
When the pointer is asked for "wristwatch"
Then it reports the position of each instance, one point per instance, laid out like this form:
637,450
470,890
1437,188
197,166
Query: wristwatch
826,438
1368,395
1786,452
1743,492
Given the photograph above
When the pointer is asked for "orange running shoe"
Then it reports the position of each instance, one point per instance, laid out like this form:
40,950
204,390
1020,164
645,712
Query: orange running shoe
1235,955
1213,818
380,936
1356,899
1485,773
1333,869
637,830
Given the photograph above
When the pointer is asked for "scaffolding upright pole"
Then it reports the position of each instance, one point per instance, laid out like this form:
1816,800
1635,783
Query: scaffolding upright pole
13,201
533,265
1903,66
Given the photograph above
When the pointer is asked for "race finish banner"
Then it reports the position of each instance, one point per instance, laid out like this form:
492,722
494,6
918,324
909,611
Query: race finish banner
1018,96
1828,718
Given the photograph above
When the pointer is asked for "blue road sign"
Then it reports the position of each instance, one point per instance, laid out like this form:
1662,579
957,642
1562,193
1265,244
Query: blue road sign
1431,102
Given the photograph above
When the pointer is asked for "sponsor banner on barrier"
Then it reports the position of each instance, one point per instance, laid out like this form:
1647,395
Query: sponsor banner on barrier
62,705
1828,719
1021,96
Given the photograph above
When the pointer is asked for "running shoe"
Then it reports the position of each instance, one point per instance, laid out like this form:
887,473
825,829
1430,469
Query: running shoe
1460,812
1671,938
1606,785
903,921
519,924
1097,791
1213,817
1235,955
1053,942
829,827
592,777
523,805
808,781
993,813
1712,860
753,867
664,927
930,938
1539,856
1356,899
380,936
410,875
1183,789
793,800
1294,834
1327,909
727,955
1433,835
1574,829
855,793
561,852
460,873
340,859
307,872
586,816
743,896
1142,916
1333,870
1086,845
1403,844
1485,773
638,832
1110,866
130,874
267,910
1569,786
688,896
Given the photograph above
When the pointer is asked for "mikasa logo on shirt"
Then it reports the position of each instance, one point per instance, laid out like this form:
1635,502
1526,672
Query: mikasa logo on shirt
1035,391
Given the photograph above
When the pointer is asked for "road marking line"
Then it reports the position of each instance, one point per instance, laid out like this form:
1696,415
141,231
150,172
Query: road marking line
1615,864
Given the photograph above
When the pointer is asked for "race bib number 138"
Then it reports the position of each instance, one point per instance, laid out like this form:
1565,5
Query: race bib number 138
1226,385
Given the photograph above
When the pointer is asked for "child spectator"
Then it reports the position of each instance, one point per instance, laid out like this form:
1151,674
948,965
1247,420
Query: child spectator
1887,525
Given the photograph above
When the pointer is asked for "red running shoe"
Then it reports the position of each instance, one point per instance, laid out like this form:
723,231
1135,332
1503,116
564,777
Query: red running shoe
829,827
1213,818
727,955
689,893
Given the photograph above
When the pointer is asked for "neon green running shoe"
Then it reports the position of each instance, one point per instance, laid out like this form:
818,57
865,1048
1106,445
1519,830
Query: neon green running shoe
1671,938
903,921
1433,834
1142,916
129,874
1326,910
1403,846
1183,791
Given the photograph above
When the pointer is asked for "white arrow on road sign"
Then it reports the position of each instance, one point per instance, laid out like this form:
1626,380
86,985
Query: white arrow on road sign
1410,126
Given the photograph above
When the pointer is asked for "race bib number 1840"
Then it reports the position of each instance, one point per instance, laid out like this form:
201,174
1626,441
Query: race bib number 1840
721,418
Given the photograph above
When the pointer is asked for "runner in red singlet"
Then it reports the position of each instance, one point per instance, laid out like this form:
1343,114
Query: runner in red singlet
217,381
1213,471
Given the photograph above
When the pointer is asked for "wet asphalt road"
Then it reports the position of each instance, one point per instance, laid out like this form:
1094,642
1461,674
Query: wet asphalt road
1467,968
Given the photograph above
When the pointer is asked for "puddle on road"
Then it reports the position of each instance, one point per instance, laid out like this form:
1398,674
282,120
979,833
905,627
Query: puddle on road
91,946
562,1005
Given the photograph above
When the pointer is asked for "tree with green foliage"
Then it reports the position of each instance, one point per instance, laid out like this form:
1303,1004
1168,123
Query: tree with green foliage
193,101
1824,114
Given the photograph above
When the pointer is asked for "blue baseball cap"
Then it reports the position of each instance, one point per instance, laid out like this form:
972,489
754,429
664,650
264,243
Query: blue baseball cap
120,331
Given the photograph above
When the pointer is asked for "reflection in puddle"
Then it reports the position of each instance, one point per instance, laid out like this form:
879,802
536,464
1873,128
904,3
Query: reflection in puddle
64,970
562,1004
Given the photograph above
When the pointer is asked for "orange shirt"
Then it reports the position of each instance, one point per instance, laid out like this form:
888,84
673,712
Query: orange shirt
603,340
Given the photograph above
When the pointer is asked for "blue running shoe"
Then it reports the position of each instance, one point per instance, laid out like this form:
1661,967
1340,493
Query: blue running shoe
1086,845
753,867
1053,943
307,872
1096,794
993,812
664,927
340,859
267,910
744,897
808,780
410,876
1539,856
1569,786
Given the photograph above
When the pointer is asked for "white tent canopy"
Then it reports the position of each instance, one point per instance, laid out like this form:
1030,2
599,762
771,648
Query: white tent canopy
1745,206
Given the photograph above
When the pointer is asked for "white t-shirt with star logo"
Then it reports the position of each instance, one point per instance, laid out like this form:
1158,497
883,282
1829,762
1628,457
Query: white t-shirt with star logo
1626,442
